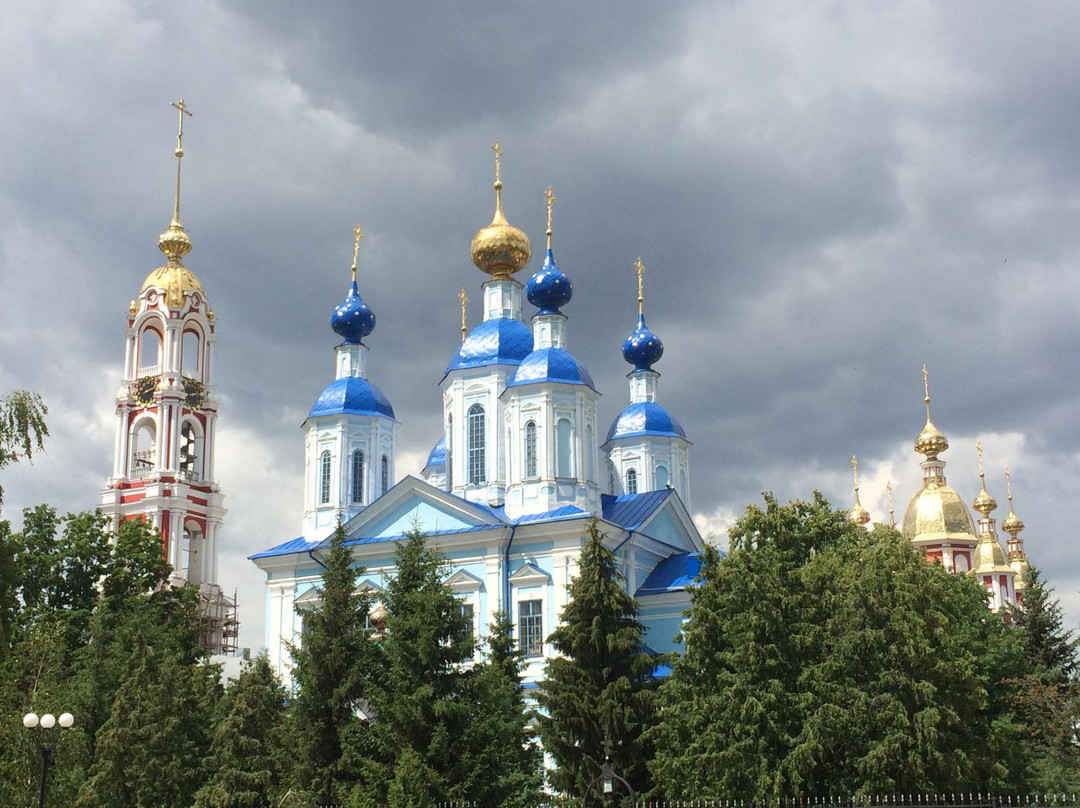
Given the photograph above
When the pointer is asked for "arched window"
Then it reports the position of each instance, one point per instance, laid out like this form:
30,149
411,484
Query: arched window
358,475
476,445
324,478
661,478
590,454
631,481
530,449
565,458
149,353
189,355
189,451
385,473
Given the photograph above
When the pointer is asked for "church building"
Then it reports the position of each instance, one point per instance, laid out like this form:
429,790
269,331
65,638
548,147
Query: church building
515,478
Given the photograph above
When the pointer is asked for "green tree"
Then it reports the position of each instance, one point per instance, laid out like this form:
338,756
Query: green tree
601,685
824,660
22,428
331,666
419,704
242,760
502,762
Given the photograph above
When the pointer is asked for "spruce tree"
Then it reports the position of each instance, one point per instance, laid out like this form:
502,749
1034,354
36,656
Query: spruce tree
601,686
242,759
331,666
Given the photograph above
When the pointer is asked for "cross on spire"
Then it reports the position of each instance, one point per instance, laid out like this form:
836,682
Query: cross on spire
464,298
855,471
183,110
356,249
498,153
549,195
640,267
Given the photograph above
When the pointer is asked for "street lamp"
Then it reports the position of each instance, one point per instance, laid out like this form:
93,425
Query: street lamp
608,779
47,721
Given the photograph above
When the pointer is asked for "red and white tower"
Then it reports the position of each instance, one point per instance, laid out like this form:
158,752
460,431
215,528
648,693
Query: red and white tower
163,461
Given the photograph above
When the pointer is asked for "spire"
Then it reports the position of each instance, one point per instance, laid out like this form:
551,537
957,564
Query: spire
930,442
892,517
500,249
642,348
464,298
353,319
549,289
1013,526
984,503
858,514
174,242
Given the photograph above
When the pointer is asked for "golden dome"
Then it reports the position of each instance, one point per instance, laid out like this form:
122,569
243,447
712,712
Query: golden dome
1012,523
931,442
937,512
500,249
858,514
984,503
176,281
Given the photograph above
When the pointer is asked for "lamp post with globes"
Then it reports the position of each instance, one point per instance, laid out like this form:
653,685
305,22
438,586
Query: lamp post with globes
46,722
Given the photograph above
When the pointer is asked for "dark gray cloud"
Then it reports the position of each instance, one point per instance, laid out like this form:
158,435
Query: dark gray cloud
825,198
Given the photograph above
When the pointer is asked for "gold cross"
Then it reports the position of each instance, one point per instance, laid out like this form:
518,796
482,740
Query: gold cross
1008,483
180,105
978,448
926,383
855,471
464,298
498,153
640,267
549,195
356,249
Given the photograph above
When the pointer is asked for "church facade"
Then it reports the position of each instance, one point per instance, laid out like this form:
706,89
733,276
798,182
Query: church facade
521,469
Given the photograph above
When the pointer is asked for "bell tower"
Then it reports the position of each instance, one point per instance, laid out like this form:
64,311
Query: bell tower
166,408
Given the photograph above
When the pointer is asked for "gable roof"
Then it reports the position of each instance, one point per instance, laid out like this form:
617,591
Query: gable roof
631,511
674,573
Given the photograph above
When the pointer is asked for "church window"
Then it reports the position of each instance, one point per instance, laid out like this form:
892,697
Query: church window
530,449
566,465
149,353
358,476
531,627
324,478
385,472
467,615
188,452
661,478
189,355
631,481
476,445
590,454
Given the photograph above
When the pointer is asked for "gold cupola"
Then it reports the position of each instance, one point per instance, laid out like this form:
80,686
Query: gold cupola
936,513
858,514
989,556
500,249
176,280
1012,525
984,503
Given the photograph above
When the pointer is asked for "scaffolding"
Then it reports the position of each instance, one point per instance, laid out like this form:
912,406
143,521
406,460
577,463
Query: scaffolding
217,620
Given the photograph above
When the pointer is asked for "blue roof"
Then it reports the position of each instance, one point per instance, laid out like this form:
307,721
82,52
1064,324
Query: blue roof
549,288
564,512
645,418
631,510
501,341
353,319
437,457
403,536
300,545
642,348
672,574
352,396
551,365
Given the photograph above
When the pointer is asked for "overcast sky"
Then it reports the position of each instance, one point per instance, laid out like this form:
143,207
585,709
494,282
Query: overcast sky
826,196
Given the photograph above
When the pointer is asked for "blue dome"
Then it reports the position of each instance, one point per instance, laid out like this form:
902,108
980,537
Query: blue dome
549,288
502,341
353,319
645,418
351,396
438,454
642,348
551,365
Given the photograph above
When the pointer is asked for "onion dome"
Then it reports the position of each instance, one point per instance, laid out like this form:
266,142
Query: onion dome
551,365
858,514
1012,523
352,395
645,418
353,319
437,456
642,348
550,288
930,442
984,503
500,341
500,249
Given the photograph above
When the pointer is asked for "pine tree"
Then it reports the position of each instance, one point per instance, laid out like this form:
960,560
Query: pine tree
242,759
601,687
420,706
1049,646
502,762
332,664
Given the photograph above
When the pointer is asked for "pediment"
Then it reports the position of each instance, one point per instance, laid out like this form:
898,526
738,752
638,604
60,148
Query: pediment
529,574
464,581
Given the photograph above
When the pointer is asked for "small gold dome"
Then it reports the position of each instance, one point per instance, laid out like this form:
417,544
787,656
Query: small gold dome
931,442
858,514
937,512
989,556
500,249
1012,523
984,503
174,242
